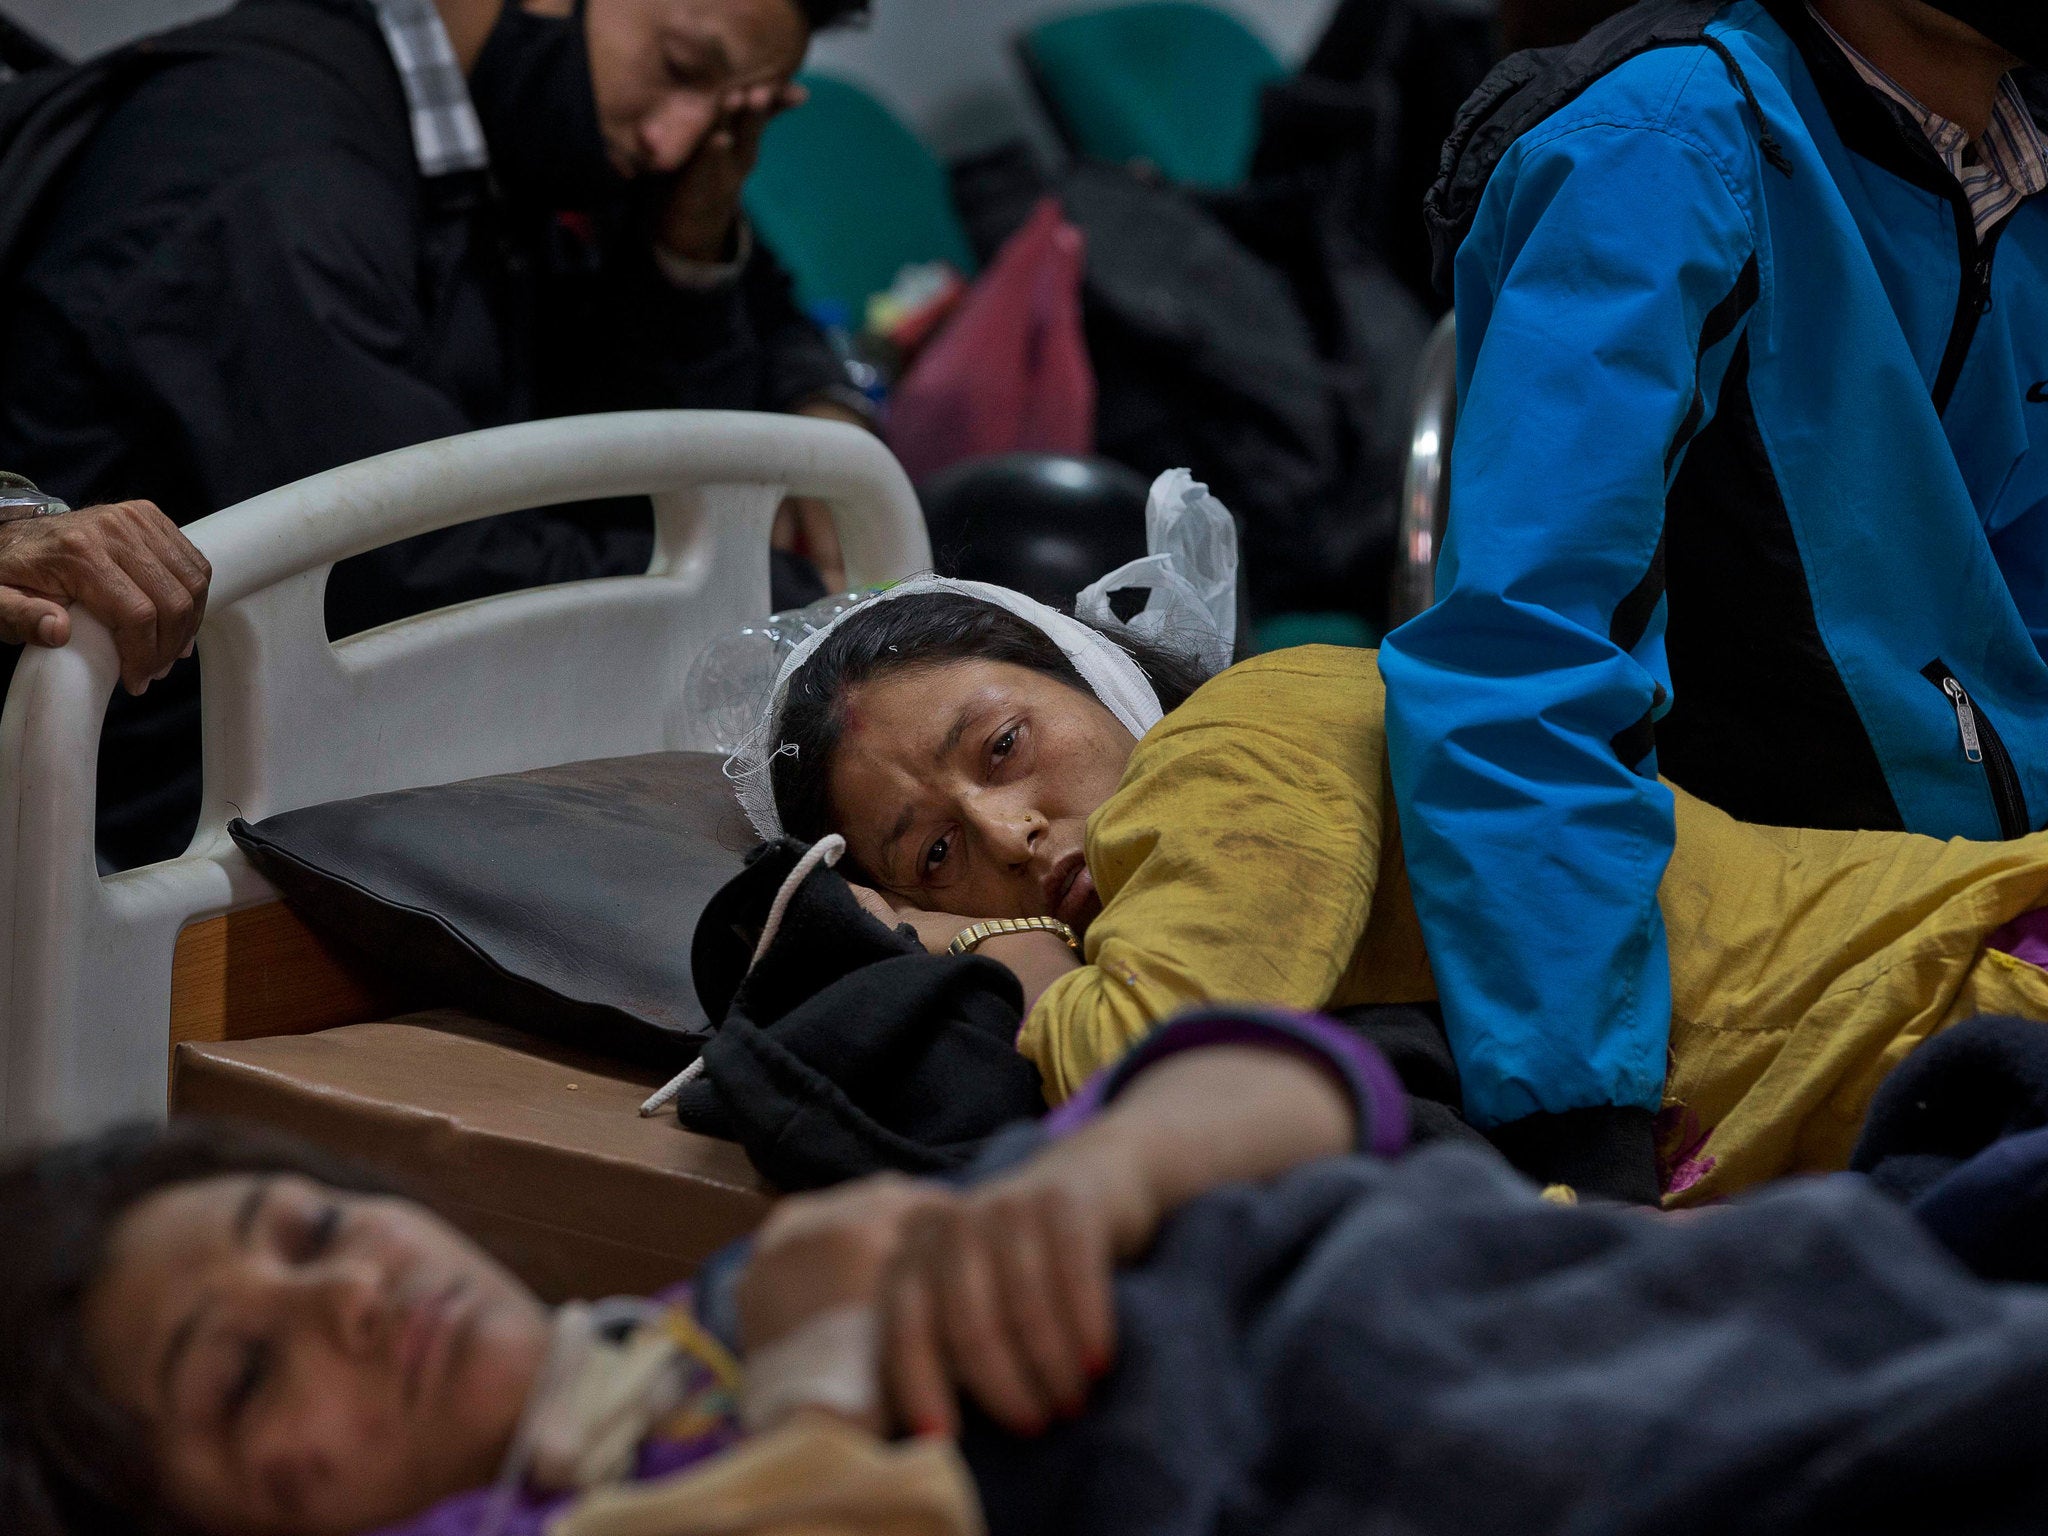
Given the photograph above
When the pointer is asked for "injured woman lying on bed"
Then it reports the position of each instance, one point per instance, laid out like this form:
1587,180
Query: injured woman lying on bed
1166,845
1206,1296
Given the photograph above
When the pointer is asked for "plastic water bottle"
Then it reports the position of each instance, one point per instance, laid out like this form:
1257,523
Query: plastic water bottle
728,685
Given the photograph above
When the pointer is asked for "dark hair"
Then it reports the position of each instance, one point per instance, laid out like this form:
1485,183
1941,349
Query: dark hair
820,14
919,632
71,1462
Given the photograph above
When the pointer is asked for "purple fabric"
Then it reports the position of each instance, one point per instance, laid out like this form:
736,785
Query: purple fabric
2024,938
530,1513
1376,1091
660,1457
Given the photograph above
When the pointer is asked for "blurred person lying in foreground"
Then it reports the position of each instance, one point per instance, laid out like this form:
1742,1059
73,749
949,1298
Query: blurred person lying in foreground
1209,1296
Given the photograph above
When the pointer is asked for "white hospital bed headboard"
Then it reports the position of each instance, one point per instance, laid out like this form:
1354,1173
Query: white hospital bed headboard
525,680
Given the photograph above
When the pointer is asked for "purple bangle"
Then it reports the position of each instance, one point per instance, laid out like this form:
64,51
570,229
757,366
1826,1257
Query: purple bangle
1376,1092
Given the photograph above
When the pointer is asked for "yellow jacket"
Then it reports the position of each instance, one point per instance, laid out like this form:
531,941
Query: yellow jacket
1251,855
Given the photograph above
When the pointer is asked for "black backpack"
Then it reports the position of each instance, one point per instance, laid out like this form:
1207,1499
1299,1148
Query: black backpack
1528,87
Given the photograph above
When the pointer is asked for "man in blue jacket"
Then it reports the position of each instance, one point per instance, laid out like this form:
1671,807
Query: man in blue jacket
1749,489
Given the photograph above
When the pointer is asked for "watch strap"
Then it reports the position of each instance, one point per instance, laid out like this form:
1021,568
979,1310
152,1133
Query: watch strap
19,499
968,939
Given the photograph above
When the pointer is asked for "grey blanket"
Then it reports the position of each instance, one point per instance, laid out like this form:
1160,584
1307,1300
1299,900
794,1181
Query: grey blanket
1428,1347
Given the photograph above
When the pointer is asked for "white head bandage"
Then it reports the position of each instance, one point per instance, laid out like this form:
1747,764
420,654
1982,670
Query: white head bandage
1104,666
1190,578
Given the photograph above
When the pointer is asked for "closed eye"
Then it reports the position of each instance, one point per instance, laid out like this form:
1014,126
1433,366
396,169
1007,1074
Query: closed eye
698,60
690,74
318,1235
248,1380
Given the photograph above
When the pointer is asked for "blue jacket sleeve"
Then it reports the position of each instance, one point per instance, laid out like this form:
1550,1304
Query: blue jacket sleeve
1598,299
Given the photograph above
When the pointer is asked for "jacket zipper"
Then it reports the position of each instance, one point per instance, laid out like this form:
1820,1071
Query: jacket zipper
1882,135
1973,299
1982,744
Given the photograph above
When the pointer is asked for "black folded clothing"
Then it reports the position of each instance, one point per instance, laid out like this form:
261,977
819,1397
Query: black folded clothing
847,1050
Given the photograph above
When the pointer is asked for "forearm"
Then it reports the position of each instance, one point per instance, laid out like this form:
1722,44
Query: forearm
1151,962
1005,1289
1538,900
1036,959
1226,1114
1522,708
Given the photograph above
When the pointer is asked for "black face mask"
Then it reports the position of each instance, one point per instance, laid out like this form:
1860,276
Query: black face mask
531,87
2017,26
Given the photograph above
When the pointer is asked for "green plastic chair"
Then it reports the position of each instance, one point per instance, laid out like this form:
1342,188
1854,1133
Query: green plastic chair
846,196
1285,630
1167,82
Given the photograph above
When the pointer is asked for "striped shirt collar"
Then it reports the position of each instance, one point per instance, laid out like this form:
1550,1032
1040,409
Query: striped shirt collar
2010,162
446,135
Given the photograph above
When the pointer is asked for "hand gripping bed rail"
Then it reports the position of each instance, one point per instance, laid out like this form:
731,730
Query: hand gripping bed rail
504,684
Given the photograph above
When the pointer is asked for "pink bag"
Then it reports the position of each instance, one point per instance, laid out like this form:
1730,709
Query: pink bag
1010,371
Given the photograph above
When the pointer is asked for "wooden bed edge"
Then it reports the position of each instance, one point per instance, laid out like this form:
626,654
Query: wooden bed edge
261,971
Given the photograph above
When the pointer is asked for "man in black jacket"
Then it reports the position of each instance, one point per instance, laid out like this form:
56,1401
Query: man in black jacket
315,230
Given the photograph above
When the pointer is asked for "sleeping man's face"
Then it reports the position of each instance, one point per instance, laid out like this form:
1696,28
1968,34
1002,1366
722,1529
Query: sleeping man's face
966,786
307,1362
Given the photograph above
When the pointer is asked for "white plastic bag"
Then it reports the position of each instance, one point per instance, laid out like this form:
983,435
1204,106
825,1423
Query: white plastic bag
1191,574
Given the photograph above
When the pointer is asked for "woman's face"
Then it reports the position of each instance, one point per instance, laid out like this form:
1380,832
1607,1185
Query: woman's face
966,787
307,1362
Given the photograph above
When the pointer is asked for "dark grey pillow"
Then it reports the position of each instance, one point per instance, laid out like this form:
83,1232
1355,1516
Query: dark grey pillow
560,901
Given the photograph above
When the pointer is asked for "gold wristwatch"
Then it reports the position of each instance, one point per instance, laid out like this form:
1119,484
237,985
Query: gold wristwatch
968,939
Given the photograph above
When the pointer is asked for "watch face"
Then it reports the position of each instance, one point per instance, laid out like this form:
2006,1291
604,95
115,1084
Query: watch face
18,504
19,498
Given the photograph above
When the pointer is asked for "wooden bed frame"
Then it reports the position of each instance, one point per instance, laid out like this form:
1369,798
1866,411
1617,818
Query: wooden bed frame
259,972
